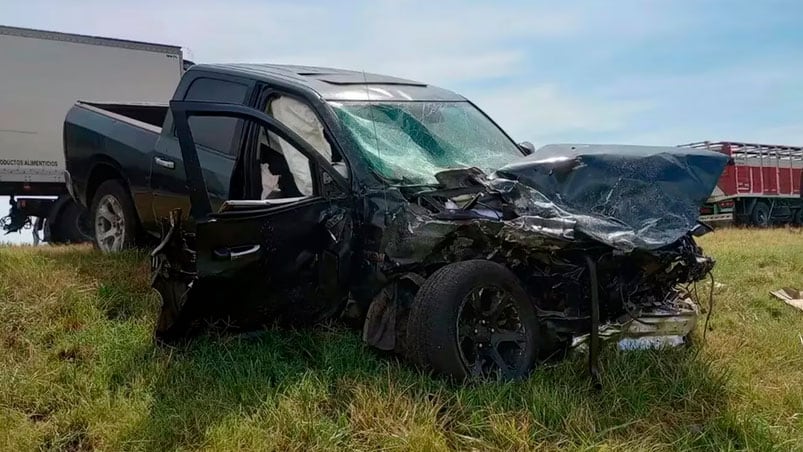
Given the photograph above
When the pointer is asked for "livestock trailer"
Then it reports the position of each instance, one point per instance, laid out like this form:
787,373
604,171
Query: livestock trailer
761,187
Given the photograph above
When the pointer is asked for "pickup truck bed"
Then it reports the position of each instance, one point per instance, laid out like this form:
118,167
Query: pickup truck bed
134,144
150,113
124,131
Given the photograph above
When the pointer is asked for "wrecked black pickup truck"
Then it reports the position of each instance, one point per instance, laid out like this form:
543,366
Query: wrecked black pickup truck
402,206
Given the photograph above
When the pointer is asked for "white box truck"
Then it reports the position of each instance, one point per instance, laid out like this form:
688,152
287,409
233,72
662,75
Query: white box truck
42,74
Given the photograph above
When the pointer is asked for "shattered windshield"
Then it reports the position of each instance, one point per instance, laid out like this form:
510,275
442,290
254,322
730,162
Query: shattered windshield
409,142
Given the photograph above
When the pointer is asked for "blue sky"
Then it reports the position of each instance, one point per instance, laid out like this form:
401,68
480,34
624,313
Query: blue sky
642,72
653,72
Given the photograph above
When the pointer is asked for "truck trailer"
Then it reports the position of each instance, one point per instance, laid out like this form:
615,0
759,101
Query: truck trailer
760,188
42,74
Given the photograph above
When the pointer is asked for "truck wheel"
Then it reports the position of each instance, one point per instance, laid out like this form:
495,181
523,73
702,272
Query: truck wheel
761,215
797,219
114,219
473,319
70,225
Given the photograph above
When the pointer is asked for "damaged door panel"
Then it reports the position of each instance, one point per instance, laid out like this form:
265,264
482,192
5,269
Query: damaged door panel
253,260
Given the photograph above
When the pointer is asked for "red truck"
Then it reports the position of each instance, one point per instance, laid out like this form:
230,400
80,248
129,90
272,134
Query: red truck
760,188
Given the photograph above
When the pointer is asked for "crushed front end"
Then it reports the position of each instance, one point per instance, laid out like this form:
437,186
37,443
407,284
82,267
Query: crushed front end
600,237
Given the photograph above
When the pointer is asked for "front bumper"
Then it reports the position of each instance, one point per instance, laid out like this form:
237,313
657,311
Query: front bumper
722,217
664,326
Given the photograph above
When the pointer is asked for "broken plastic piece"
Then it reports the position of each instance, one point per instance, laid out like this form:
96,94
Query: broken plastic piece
792,297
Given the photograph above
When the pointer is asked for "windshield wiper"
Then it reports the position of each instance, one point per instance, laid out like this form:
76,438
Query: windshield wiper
406,182
403,185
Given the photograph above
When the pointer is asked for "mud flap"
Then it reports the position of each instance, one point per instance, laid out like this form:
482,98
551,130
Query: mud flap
379,329
385,325
173,276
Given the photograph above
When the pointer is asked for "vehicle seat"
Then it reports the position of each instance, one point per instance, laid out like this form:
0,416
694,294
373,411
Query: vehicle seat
277,179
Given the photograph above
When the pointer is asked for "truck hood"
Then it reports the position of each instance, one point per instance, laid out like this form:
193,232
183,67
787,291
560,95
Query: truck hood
628,197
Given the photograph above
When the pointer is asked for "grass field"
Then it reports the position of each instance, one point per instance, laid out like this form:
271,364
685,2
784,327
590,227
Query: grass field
79,371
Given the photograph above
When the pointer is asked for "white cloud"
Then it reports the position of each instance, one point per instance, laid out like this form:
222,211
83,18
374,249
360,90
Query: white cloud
526,63
446,41
787,133
470,47
547,112
790,133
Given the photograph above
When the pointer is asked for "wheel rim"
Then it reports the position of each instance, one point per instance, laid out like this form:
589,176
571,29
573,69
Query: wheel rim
490,334
110,224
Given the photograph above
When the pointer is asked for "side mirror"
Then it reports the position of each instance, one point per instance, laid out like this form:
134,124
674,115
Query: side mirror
527,147
701,229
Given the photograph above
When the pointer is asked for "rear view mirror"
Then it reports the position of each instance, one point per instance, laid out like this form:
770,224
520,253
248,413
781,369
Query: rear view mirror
527,147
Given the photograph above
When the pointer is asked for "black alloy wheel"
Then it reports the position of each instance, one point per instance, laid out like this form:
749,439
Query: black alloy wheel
490,334
474,320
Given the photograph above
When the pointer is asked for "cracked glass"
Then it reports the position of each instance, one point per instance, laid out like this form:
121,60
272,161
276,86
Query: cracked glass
409,142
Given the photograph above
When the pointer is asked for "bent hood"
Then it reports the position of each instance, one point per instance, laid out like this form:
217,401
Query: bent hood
629,197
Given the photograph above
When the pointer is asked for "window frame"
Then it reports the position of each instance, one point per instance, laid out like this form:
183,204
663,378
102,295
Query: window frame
239,132
264,93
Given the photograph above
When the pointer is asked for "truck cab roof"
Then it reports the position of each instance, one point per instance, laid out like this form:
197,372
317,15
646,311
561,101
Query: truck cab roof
337,84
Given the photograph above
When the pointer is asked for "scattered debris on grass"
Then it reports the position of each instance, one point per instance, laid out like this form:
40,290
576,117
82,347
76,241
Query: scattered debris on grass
790,296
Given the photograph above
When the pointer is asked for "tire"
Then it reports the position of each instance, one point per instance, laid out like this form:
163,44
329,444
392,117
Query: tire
760,216
114,220
445,329
71,225
797,219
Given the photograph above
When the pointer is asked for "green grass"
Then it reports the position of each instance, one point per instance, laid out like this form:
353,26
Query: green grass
79,371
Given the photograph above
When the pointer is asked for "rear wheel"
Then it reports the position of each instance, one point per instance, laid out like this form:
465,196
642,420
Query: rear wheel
71,225
797,218
473,319
761,215
113,218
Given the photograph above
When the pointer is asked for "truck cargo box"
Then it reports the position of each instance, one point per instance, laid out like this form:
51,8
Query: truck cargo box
44,73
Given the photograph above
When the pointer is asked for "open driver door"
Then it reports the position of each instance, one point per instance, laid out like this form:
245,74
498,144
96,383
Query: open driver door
253,261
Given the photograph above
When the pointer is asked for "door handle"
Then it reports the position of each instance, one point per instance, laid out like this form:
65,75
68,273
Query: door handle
169,164
235,255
